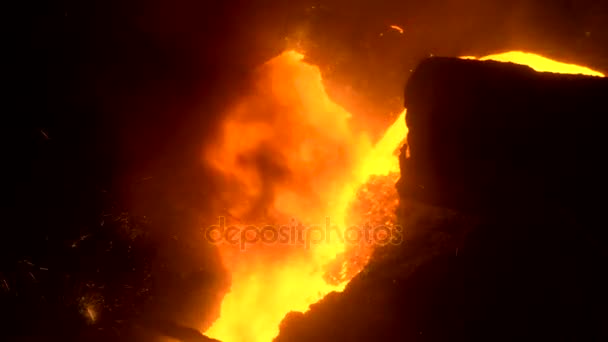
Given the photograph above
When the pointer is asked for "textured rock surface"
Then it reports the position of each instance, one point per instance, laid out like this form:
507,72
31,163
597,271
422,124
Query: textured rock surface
490,134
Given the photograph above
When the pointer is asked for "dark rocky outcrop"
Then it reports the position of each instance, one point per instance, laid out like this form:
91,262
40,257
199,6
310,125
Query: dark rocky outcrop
500,205
489,134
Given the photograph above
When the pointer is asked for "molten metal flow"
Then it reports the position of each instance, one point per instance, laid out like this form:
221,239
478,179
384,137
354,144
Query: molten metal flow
539,63
287,152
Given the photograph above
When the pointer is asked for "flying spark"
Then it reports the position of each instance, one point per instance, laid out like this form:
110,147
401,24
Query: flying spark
397,28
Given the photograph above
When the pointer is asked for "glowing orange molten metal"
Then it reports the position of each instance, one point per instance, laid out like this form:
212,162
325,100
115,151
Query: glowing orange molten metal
287,152
539,63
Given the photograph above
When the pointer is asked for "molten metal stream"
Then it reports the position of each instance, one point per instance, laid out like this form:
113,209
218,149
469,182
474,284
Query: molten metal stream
287,152
539,63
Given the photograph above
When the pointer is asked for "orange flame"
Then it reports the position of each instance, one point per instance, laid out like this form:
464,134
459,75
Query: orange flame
287,151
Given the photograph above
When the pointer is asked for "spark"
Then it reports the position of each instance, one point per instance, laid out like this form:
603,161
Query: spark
44,134
91,313
397,28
